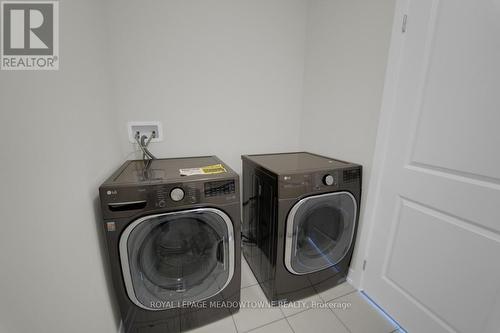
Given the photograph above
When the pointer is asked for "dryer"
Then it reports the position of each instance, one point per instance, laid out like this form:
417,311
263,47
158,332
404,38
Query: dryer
300,216
173,243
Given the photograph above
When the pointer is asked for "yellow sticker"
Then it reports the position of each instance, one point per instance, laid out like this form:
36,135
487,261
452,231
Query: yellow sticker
206,170
212,169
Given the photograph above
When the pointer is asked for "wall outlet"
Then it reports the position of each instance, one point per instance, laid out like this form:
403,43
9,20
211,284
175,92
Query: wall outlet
145,128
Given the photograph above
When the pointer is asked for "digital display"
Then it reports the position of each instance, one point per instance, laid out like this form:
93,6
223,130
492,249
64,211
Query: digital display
223,187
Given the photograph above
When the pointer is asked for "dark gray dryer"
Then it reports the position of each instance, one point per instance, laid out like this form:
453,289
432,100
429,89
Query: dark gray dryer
300,216
173,243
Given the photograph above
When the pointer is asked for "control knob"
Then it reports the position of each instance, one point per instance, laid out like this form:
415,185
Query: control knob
177,194
328,180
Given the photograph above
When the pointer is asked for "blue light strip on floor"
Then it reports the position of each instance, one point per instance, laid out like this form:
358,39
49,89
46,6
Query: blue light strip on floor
385,314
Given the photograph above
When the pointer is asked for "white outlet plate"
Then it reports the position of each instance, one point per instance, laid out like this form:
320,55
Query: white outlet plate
145,128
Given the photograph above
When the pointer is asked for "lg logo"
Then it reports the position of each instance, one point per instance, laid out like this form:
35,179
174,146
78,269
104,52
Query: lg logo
29,35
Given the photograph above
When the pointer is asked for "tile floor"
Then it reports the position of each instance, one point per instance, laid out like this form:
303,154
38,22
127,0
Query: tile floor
341,309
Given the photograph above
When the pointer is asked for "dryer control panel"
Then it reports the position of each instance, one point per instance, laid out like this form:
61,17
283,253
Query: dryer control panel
295,185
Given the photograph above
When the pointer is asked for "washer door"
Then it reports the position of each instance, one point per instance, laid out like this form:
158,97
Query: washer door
177,258
319,232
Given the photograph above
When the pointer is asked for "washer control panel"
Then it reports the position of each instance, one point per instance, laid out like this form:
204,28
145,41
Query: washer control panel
173,195
124,201
166,195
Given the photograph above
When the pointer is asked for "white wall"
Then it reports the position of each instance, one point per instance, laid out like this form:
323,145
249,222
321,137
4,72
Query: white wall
347,48
223,76
57,145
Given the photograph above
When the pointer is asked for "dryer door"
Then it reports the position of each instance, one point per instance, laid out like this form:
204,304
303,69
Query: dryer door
177,258
319,232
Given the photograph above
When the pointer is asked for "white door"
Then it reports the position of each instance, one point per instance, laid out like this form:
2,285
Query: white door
433,258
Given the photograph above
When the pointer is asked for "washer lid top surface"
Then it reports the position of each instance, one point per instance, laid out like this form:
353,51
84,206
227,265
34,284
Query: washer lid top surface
166,170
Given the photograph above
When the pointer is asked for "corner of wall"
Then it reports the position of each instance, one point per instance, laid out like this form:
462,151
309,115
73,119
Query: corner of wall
344,73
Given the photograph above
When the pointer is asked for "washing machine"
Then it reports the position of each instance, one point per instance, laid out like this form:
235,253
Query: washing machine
173,242
300,216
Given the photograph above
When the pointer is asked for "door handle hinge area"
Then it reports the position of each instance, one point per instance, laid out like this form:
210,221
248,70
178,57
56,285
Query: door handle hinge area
364,264
403,26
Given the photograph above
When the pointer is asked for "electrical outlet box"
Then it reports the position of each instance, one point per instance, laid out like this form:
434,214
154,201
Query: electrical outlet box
145,128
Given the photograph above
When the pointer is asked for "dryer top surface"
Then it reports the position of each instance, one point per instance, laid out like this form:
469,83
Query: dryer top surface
296,162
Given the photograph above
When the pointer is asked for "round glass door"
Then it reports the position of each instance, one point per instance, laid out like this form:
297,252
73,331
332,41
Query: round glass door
177,258
319,232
